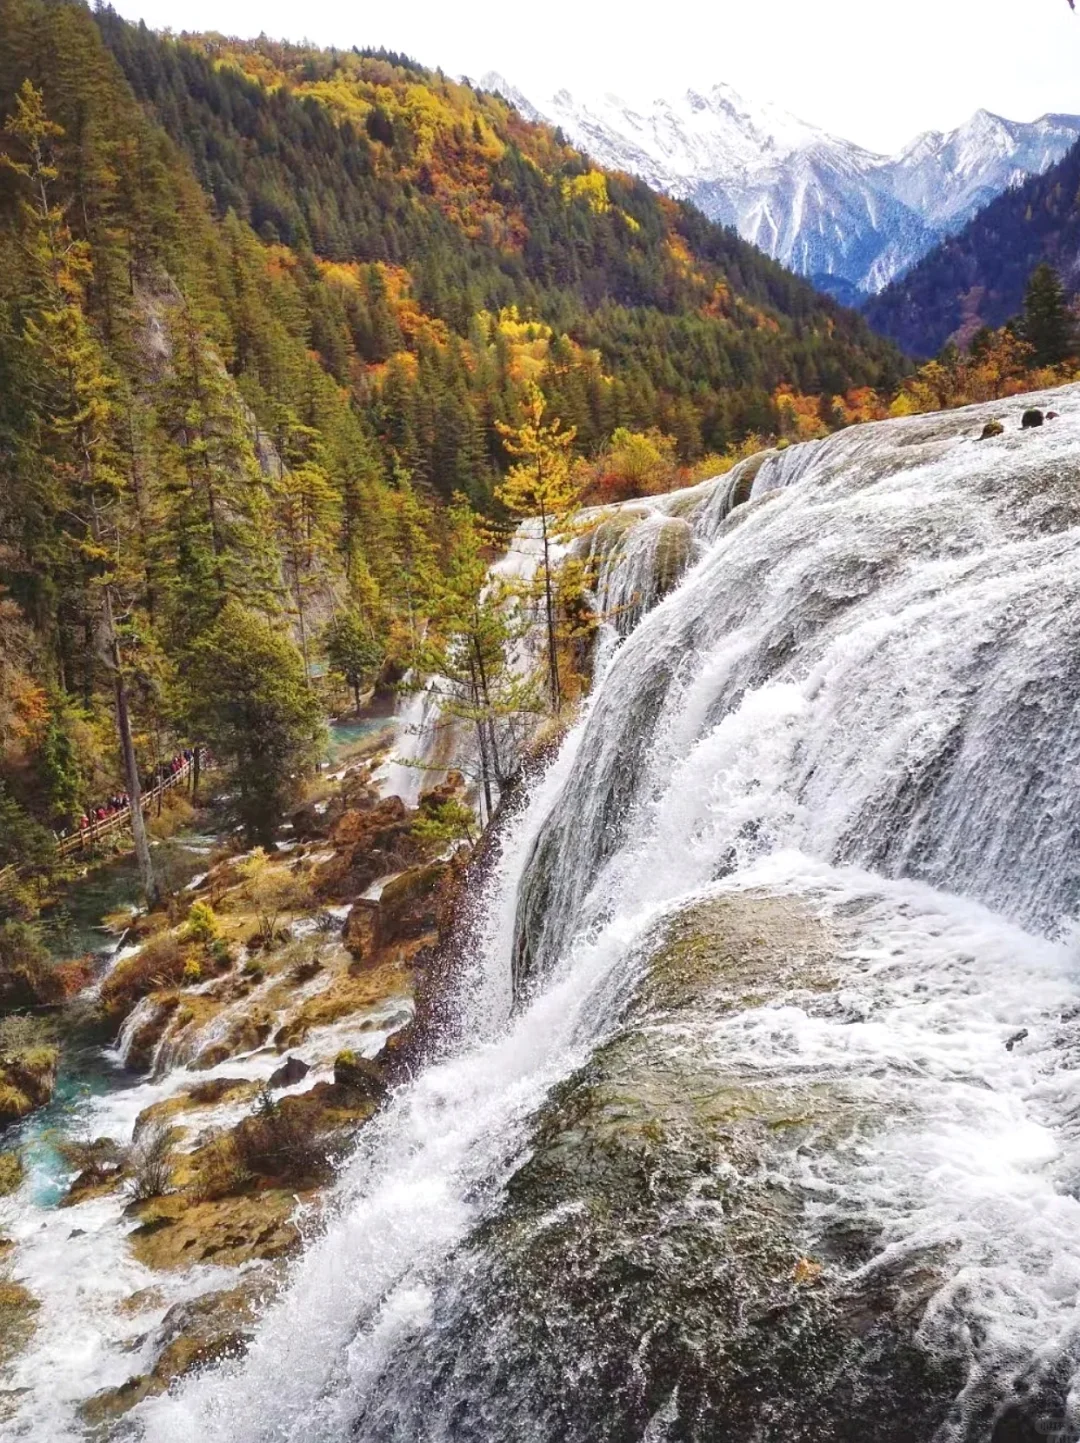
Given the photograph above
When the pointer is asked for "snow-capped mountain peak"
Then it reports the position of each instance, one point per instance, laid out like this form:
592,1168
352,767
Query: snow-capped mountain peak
848,218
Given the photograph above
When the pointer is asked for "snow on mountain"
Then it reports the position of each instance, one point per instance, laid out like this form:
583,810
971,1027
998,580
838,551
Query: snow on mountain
849,219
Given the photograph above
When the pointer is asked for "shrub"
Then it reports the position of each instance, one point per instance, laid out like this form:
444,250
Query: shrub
158,963
98,1159
192,972
219,1171
27,977
22,1034
220,952
274,1142
272,890
151,1174
202,924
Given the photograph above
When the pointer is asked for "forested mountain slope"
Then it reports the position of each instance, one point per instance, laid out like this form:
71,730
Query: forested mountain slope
977,278
263,310
658,316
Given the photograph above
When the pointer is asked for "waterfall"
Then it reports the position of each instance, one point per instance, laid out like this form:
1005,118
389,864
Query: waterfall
854,724
420,746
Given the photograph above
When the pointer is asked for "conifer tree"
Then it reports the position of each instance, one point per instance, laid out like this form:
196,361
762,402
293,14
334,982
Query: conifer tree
540,485
468,645
352,649
1046,324
79,422
247,695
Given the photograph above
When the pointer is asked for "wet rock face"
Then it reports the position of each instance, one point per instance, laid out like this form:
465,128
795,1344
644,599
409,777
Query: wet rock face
369,842
657,1270
192,1335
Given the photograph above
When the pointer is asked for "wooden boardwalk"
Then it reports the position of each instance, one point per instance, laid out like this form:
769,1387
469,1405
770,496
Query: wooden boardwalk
85,839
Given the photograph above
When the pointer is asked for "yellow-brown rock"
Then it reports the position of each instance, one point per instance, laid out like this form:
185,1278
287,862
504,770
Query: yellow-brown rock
175,1232
192,1334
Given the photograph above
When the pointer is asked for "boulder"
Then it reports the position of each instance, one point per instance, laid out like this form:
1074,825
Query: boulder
361,934
175,1233
1032,418
992,428
291,1071
309,824
370,826
409,904
368,843
359,1075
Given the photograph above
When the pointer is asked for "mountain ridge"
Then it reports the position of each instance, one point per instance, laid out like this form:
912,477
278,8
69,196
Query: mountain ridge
848,218
978,276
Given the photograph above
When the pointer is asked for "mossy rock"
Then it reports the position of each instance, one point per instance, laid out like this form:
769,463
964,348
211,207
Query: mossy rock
192,1335
27,1080
12,1173
177,1232
658,1258
18,1318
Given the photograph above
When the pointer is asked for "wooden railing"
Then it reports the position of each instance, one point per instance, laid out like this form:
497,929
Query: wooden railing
85,838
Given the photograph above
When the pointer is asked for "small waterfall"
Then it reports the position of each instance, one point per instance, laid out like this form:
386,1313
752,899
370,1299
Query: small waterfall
145,1011
637,558
859,707
420,746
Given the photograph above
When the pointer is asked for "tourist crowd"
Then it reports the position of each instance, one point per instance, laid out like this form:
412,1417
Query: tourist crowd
121,801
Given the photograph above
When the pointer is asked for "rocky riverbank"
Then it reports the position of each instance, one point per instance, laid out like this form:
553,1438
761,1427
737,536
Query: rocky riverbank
261,1018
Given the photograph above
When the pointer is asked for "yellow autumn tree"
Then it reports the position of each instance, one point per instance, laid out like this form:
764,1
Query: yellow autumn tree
540,485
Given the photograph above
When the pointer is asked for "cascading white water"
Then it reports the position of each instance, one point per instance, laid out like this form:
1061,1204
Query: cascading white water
864,695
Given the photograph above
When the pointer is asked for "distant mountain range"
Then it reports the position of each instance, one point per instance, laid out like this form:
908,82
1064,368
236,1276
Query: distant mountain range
978,276
848,219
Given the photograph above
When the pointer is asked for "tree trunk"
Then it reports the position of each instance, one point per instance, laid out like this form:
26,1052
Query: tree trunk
195,768
123,727
485,765
553,655
131,769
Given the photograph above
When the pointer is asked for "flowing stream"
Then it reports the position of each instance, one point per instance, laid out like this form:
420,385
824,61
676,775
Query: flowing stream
848,1207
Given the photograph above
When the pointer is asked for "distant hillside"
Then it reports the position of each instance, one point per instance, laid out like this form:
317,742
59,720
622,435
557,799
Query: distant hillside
654,315
977,278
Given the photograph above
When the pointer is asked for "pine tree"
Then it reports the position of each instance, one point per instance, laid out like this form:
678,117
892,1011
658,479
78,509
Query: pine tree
540,486
352,649
468,646
1047,325
79,422
247,695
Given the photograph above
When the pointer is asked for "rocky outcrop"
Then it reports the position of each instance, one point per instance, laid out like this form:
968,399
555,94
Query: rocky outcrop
369,842
408,908
657,1235
175,1232
27,1080
192,1335
18,1310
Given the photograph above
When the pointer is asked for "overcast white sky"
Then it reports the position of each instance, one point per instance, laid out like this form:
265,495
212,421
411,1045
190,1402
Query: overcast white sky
876,73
